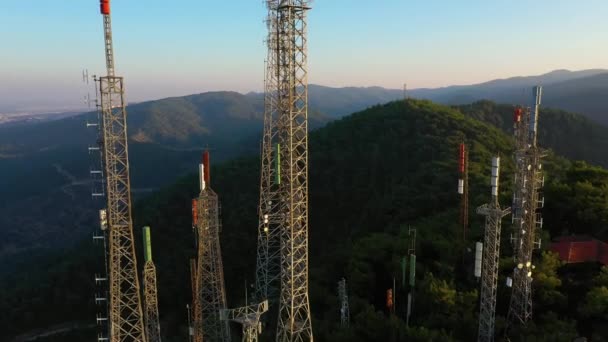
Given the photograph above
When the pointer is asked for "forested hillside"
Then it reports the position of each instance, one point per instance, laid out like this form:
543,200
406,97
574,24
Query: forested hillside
372,174
568,134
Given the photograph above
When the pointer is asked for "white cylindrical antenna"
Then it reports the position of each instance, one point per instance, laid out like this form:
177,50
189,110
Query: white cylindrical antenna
495,175
460,186
478,256
537,93
201,175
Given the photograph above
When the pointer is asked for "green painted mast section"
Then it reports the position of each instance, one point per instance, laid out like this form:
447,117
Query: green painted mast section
277,168
147,244
412,269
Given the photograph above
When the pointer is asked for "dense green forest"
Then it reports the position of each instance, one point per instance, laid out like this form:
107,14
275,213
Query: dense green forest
372,175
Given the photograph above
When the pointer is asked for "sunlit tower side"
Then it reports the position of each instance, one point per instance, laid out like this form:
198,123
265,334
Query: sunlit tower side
210,292
463,188
294,322
344,307
527,201
151,318
126,316
248,317
268,263
491,255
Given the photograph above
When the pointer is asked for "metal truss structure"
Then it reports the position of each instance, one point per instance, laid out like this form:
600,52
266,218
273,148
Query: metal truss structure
527,220
268,263
209,291
152,323
248,317
491,255
294,322
126,317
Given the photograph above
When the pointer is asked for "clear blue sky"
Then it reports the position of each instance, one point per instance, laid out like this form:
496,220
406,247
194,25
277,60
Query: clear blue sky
178,47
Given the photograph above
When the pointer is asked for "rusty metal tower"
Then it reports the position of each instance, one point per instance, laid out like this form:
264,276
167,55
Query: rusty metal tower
294,322
527,201
150,291
209,290
248,317
268,265
491,254
126,316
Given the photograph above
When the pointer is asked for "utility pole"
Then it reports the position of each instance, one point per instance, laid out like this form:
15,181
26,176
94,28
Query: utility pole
294,323
126,316
491,255
268,263
412,278
527,221
150,291
344,307
209,290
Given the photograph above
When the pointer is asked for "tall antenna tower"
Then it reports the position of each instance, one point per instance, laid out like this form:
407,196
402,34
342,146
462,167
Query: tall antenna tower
294,323
248,317
490,258
268,265
126,316
527,221
209,292
150,292
344,309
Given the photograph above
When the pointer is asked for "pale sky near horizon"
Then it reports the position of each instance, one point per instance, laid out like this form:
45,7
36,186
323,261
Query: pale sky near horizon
179,47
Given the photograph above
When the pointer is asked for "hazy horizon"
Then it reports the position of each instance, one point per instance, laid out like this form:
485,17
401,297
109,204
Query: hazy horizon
165,51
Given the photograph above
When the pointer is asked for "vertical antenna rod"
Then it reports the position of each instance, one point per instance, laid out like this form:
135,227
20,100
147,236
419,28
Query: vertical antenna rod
294,323
126,317
490,258
463,188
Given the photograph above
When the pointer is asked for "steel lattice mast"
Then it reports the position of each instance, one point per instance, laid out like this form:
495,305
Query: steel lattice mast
150,292
126,317
268,266
210,293
491,255
294,323
248,317
527,221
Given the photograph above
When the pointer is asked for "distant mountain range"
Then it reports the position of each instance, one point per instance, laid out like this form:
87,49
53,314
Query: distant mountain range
581,92
45,165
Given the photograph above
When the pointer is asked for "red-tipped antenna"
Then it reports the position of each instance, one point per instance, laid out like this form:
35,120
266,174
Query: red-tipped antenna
461,163
104,6
207,166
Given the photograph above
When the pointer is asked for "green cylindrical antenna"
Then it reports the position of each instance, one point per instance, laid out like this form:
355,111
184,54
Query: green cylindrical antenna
277,168
147,244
